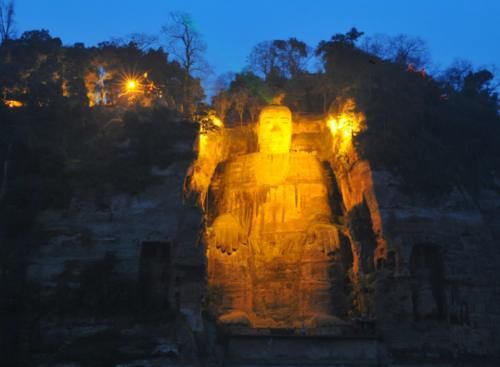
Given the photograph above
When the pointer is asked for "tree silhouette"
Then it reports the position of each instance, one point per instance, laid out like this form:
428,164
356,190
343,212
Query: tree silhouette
279,58
184,42
401,49
187,45
7,12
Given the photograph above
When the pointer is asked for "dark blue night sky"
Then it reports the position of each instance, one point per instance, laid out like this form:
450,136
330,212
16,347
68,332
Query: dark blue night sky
452,28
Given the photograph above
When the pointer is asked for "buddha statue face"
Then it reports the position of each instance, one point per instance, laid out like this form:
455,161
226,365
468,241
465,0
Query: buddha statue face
275,130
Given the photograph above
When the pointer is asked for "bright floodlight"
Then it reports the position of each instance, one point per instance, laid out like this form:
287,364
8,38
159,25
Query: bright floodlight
131,85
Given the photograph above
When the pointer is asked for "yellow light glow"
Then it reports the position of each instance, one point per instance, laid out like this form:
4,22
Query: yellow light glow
332,125
13,103
344,123
202,147
217,121
131,84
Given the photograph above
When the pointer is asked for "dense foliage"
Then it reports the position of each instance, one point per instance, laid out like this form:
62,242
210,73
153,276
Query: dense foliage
56,144
433,132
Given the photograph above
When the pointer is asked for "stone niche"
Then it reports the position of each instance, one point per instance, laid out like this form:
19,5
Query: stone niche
278,251
427,282
155,264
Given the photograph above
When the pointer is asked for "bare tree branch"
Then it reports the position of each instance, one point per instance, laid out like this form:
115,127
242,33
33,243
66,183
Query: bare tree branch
402,49
185,43
7,12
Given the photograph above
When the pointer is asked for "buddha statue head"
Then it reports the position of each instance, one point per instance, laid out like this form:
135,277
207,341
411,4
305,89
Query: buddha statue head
275,129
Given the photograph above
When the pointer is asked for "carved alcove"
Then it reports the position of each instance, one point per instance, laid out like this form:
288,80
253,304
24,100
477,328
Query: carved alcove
155,273
427,282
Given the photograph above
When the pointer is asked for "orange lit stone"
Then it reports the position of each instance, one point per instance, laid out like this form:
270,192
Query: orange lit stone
275,130
270,235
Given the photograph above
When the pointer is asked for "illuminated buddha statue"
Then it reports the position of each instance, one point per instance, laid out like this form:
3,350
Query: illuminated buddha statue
270,237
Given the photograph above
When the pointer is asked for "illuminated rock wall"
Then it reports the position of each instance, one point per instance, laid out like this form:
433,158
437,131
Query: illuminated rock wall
278,252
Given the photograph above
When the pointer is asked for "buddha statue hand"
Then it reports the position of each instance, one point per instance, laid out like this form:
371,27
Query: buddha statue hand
227,234
325,235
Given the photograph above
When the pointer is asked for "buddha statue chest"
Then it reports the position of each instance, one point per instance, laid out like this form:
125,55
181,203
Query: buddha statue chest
270,194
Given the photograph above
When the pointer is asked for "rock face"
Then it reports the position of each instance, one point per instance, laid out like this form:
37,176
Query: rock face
153,224
437,277
114,269
282,232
